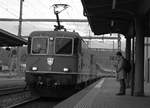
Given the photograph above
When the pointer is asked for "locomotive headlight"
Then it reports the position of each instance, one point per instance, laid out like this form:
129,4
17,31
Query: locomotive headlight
51,38
66,69
34,68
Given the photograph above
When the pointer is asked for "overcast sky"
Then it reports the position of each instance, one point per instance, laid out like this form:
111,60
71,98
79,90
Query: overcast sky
43,9
40,9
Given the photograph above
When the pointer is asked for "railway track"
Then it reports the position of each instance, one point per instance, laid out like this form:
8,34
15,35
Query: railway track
14,96
11,90
41,103
24,101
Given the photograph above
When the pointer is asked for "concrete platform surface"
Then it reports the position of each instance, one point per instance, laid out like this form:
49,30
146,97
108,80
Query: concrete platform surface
102,94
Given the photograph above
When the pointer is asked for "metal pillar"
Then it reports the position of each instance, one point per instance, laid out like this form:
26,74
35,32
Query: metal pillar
20,18
19,34
119,42
128,48
148,70
133,65
113,46
147,60
128,57
139,57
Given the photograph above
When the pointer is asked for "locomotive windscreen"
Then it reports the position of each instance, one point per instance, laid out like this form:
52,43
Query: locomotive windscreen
40,45
63,45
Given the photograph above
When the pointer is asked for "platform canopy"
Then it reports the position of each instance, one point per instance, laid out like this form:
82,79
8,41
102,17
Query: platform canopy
8,39
110,16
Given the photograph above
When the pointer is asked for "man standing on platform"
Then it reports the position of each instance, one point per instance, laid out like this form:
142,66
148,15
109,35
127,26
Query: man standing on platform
121,74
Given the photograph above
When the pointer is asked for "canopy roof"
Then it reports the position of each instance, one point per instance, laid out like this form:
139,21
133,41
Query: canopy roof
110,16
8,39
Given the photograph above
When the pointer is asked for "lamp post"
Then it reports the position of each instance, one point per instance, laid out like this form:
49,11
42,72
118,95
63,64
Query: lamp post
19,34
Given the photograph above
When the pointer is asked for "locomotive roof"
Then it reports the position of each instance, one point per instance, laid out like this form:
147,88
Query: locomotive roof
54,33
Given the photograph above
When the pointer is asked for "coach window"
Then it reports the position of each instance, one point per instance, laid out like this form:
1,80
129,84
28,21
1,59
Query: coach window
39,45
63,45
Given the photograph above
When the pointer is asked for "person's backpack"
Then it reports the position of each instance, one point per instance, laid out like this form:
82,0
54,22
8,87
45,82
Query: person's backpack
126,65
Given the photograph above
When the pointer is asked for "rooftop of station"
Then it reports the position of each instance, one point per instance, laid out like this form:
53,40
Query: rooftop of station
9,39
107,16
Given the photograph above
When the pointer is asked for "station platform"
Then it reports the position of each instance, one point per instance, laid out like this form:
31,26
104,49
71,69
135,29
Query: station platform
102,94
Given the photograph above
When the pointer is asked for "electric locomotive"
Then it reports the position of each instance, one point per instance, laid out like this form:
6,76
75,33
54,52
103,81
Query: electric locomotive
58,63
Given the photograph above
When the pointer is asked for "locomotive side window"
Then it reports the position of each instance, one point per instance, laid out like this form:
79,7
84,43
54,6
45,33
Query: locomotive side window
29,45
76,46
51,45
63,45
39,45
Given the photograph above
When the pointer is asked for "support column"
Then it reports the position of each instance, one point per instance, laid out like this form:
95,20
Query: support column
128,48
19,34
128,57
139,57
119,42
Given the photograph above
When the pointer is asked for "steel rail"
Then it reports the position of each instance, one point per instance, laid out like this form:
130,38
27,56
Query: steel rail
11,90
23,102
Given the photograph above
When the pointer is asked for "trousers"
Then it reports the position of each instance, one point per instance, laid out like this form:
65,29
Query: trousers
122,86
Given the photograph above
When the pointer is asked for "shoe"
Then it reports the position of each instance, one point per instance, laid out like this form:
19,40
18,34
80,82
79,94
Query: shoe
120,94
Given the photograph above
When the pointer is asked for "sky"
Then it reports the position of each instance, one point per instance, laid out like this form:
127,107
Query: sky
40,9
43,9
